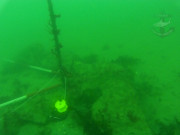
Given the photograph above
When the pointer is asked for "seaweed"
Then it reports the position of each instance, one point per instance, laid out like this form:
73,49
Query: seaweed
127,61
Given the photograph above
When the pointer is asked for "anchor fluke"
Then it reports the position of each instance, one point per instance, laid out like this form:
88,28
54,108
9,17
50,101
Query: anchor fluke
161,28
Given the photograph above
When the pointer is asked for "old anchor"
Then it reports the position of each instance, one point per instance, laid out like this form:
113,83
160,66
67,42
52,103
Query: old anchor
162,28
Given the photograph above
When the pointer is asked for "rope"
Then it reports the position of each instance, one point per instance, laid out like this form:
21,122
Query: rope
21,105
65,87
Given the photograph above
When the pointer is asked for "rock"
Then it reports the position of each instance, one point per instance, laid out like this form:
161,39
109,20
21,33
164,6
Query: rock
1,126
65,127
30,129
118,108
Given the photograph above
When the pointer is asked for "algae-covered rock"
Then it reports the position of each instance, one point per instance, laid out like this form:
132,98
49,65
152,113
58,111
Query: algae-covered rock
30,129
118,107
1,126
115,110
65,127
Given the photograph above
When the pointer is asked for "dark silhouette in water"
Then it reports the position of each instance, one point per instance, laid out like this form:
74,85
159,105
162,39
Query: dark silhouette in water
106,47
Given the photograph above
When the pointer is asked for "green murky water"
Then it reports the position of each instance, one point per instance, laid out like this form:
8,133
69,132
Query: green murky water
93,67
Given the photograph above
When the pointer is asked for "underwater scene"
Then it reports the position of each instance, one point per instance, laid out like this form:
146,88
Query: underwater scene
89,67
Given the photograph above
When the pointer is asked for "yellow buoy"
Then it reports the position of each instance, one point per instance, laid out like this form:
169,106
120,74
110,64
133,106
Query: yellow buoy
61,106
